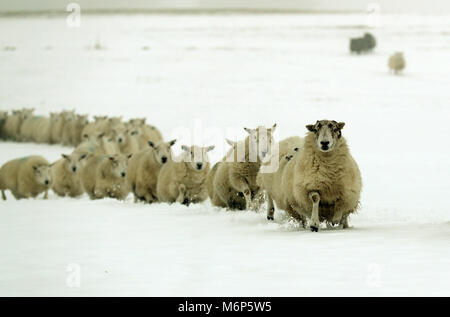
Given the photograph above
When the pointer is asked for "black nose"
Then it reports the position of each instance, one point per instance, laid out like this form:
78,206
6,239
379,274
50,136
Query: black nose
46,182
123,174
199,165
120,140
325,144
74,169
164,159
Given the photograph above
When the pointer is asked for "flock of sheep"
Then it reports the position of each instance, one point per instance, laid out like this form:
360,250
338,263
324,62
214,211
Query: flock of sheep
367,43
317,179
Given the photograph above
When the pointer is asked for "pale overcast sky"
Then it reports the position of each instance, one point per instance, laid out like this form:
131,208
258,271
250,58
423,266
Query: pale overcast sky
408,6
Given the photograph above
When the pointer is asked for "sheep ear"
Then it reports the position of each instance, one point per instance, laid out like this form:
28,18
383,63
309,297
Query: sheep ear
210,148
151,144
311,128
249,131
274,127
65,156
172,142
230,142
130,155
341,125
185,148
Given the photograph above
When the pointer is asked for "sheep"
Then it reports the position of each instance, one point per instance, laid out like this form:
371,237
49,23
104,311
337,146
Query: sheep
73,129
270,182
66,175
144,169
184,180
127,143
397,62
36,129
236,176
106,176
3,117
26,177
322,182
363,44
98,144
144,132
14,122
58,125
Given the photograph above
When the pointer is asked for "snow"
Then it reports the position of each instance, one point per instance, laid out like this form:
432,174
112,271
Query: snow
204,77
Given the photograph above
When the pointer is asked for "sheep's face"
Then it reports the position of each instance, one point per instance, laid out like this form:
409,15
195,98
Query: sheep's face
120,135
196,156
26,113
82,120
72,162
42,175
119,165
138,122
162,151
327,134
261,140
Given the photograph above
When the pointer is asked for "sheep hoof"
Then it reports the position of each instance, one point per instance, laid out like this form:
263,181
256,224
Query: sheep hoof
314,228
185,202
270,218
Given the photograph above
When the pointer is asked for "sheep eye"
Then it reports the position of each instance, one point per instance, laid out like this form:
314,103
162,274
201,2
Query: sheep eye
319,126
330,126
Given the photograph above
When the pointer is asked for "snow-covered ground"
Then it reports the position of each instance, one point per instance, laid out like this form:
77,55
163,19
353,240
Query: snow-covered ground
208,76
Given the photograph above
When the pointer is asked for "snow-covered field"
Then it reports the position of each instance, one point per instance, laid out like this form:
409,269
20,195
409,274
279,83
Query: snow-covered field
208,76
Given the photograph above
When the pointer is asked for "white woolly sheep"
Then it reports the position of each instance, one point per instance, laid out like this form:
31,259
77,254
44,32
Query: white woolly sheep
238,177
397,62
72,130
66,175
322,182
26,177
105,176
271,182
127,143
36,129
58,124
13,123
144,132
184,180
144,169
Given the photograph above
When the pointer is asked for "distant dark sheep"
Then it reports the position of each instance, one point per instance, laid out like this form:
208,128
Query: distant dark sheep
363,44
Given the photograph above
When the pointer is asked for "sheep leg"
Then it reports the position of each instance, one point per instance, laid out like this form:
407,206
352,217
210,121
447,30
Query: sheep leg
46,194
314,221
270,208
3,194
181,193
344,221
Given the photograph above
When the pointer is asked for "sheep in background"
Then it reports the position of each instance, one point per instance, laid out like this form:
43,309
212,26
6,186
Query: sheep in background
3,116
59,122
184,180
14,122
26,177
127,143
73,129
144,169
66,175
322,182
396,62
236,175
271,182
105,176
144,132
36,129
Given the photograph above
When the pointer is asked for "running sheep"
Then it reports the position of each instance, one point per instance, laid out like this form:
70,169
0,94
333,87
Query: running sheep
13,123
397,62
26,177
66,175
270,182
184,180
144,170
105,176
322,182
236,175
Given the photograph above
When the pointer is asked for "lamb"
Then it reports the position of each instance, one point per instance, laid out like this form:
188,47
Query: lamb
3,117
270,182
105,176
397,62
127,142
184,180
66,175
322,182
144,169
14,122
236,176
26,177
